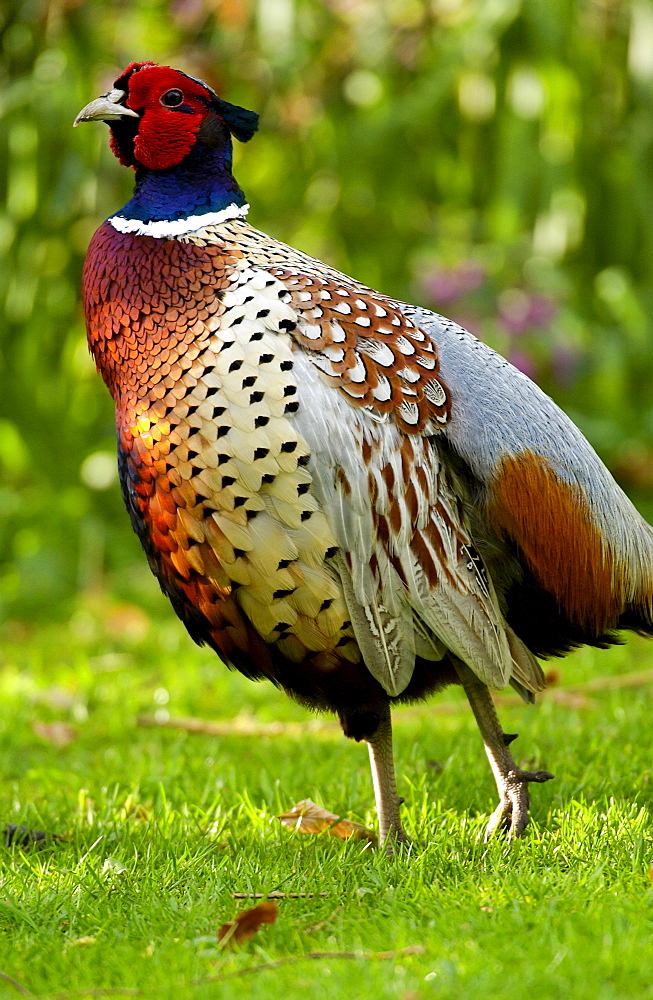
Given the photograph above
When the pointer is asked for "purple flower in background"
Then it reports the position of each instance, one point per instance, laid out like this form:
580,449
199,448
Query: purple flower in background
565,364
543,310
519,310
523,362
444,285
468,322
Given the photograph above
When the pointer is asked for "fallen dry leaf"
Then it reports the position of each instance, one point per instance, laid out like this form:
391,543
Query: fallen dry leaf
59,734
650,873
307,817
247,923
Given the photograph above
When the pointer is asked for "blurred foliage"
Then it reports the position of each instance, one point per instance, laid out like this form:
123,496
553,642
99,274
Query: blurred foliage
488,158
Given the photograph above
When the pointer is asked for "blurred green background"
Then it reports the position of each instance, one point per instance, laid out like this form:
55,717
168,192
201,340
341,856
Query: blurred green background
492,159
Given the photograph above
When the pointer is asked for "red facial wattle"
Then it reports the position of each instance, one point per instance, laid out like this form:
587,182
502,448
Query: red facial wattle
165,134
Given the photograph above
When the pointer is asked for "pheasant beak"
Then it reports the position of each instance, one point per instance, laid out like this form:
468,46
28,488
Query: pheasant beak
105,109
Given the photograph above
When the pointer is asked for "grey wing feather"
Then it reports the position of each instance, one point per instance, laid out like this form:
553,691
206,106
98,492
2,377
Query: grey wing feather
393,616
499,411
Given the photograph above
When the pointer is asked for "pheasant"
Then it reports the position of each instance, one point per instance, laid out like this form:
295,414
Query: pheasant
350,496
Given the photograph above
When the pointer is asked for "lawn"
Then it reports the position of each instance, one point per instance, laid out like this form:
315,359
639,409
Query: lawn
162,827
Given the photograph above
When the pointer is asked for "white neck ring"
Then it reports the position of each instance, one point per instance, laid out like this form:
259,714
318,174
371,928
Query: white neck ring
167,228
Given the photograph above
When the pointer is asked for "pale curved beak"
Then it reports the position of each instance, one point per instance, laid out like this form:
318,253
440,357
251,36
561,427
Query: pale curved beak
105,109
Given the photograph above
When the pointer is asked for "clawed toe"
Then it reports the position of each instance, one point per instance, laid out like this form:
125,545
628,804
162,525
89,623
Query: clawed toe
511,815
395,842
539,776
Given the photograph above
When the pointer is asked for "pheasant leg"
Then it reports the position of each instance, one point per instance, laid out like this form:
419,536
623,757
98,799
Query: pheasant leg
511,815
388,802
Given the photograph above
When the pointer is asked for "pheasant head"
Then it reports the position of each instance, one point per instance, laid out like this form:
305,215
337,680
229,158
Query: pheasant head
176,133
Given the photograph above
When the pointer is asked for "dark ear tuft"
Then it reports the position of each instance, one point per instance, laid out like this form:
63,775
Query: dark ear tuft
240,122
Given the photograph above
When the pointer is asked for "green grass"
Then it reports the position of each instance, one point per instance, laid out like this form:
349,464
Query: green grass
162,826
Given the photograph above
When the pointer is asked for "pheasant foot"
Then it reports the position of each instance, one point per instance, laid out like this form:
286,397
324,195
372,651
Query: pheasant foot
511,815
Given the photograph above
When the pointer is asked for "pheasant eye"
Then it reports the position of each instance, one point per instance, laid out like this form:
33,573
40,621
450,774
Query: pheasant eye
172,99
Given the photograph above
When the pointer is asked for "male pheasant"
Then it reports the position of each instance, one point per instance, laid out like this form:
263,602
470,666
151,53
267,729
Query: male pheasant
350,496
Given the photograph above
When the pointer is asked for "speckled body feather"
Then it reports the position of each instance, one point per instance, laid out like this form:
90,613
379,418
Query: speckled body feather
197,339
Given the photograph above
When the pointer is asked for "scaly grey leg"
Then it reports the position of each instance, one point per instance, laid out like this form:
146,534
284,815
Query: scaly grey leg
511,815
379,744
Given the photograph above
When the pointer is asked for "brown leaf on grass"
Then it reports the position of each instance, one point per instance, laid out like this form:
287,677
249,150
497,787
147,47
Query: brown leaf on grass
307,817
650,873
247,923
59,734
